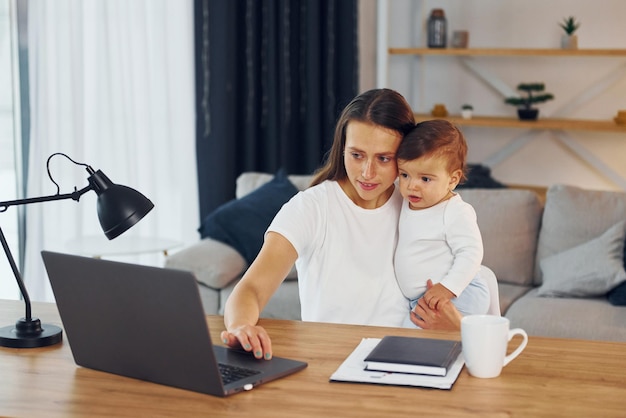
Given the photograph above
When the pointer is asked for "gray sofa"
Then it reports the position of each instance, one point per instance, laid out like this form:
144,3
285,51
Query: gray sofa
556,256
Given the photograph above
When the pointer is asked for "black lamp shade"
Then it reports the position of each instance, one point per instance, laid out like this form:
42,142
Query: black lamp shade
119,207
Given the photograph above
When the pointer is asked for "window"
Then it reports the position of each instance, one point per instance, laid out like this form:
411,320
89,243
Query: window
8,179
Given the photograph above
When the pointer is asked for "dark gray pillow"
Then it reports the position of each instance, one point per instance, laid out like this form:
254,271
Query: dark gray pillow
617,296
241,223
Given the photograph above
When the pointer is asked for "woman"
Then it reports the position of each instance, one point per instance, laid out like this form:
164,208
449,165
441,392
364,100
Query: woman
341,233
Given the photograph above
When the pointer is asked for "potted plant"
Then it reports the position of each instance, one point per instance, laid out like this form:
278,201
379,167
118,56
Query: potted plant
466,111
569,39
525,110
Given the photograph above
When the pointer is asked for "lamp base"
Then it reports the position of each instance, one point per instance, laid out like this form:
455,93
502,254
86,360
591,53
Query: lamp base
30,334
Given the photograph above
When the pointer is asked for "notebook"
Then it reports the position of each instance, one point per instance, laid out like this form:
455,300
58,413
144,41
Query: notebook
148,323
413,355
353,370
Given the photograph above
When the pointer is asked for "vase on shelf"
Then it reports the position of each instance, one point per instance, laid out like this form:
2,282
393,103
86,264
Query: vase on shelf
437,29
439,111
569,41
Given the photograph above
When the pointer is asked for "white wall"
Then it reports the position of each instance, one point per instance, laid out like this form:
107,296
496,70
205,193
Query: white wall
367,44
542,160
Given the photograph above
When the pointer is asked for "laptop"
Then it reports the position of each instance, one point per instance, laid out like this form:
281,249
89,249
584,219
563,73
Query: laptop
148,323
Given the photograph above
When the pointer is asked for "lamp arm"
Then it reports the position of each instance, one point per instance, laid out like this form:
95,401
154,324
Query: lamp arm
3,207
75,195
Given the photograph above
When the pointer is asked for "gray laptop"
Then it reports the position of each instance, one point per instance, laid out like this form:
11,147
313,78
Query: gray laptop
148,323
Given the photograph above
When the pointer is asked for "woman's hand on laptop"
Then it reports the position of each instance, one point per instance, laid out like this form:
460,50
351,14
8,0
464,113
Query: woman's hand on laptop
252,338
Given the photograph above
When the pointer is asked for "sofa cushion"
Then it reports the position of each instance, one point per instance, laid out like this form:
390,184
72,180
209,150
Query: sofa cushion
241,223
589,269
214,263
509,293
509,222
479,177
582,318
284,303
574,216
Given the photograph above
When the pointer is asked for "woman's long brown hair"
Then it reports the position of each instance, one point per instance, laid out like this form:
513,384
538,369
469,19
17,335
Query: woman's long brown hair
382,107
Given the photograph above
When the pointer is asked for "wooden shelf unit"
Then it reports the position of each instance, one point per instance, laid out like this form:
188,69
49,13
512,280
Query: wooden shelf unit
504,122
509,52
470,60
547,123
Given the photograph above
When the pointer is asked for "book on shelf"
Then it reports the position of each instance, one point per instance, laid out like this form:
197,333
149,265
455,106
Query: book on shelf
413,355
353,370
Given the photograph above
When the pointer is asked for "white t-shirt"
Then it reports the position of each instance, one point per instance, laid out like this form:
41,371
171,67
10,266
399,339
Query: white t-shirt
441,243
345,256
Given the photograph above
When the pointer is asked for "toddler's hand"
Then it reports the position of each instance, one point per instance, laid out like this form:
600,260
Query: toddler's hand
436,295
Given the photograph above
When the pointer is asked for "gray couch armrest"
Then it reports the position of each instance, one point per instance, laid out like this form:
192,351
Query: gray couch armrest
214,264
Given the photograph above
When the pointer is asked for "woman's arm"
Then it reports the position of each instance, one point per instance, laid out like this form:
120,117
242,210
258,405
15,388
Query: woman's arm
251,294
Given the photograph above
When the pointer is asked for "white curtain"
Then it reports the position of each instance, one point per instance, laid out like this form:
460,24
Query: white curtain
112,86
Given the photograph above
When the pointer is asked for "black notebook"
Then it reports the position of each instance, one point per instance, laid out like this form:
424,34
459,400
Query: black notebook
413,355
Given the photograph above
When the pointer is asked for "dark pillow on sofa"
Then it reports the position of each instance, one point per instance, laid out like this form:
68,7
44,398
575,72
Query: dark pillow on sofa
241,223
617,296
479,177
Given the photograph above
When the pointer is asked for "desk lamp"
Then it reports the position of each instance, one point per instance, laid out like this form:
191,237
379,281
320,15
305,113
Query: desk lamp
119,208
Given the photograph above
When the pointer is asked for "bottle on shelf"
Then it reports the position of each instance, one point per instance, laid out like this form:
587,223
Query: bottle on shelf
437,29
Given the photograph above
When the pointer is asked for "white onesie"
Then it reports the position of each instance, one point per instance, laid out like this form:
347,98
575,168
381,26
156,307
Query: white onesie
441,243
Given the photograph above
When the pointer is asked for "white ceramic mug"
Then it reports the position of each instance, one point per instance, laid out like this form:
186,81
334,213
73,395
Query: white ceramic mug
485,339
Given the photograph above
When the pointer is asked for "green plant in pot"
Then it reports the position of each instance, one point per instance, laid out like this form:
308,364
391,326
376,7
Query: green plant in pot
569,39
534,95
466,111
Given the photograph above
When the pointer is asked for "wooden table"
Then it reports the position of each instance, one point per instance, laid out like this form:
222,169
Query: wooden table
552,377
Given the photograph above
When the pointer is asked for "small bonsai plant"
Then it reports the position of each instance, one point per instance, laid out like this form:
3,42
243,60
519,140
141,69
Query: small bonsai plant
569,25
467,107
525,109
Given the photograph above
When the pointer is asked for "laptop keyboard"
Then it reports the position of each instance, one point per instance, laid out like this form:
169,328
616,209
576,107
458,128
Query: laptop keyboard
232,373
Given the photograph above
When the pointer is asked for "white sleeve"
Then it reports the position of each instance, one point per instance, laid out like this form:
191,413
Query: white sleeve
300,219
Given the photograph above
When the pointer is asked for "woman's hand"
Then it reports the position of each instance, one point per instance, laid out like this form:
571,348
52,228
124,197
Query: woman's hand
252,338
445,317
